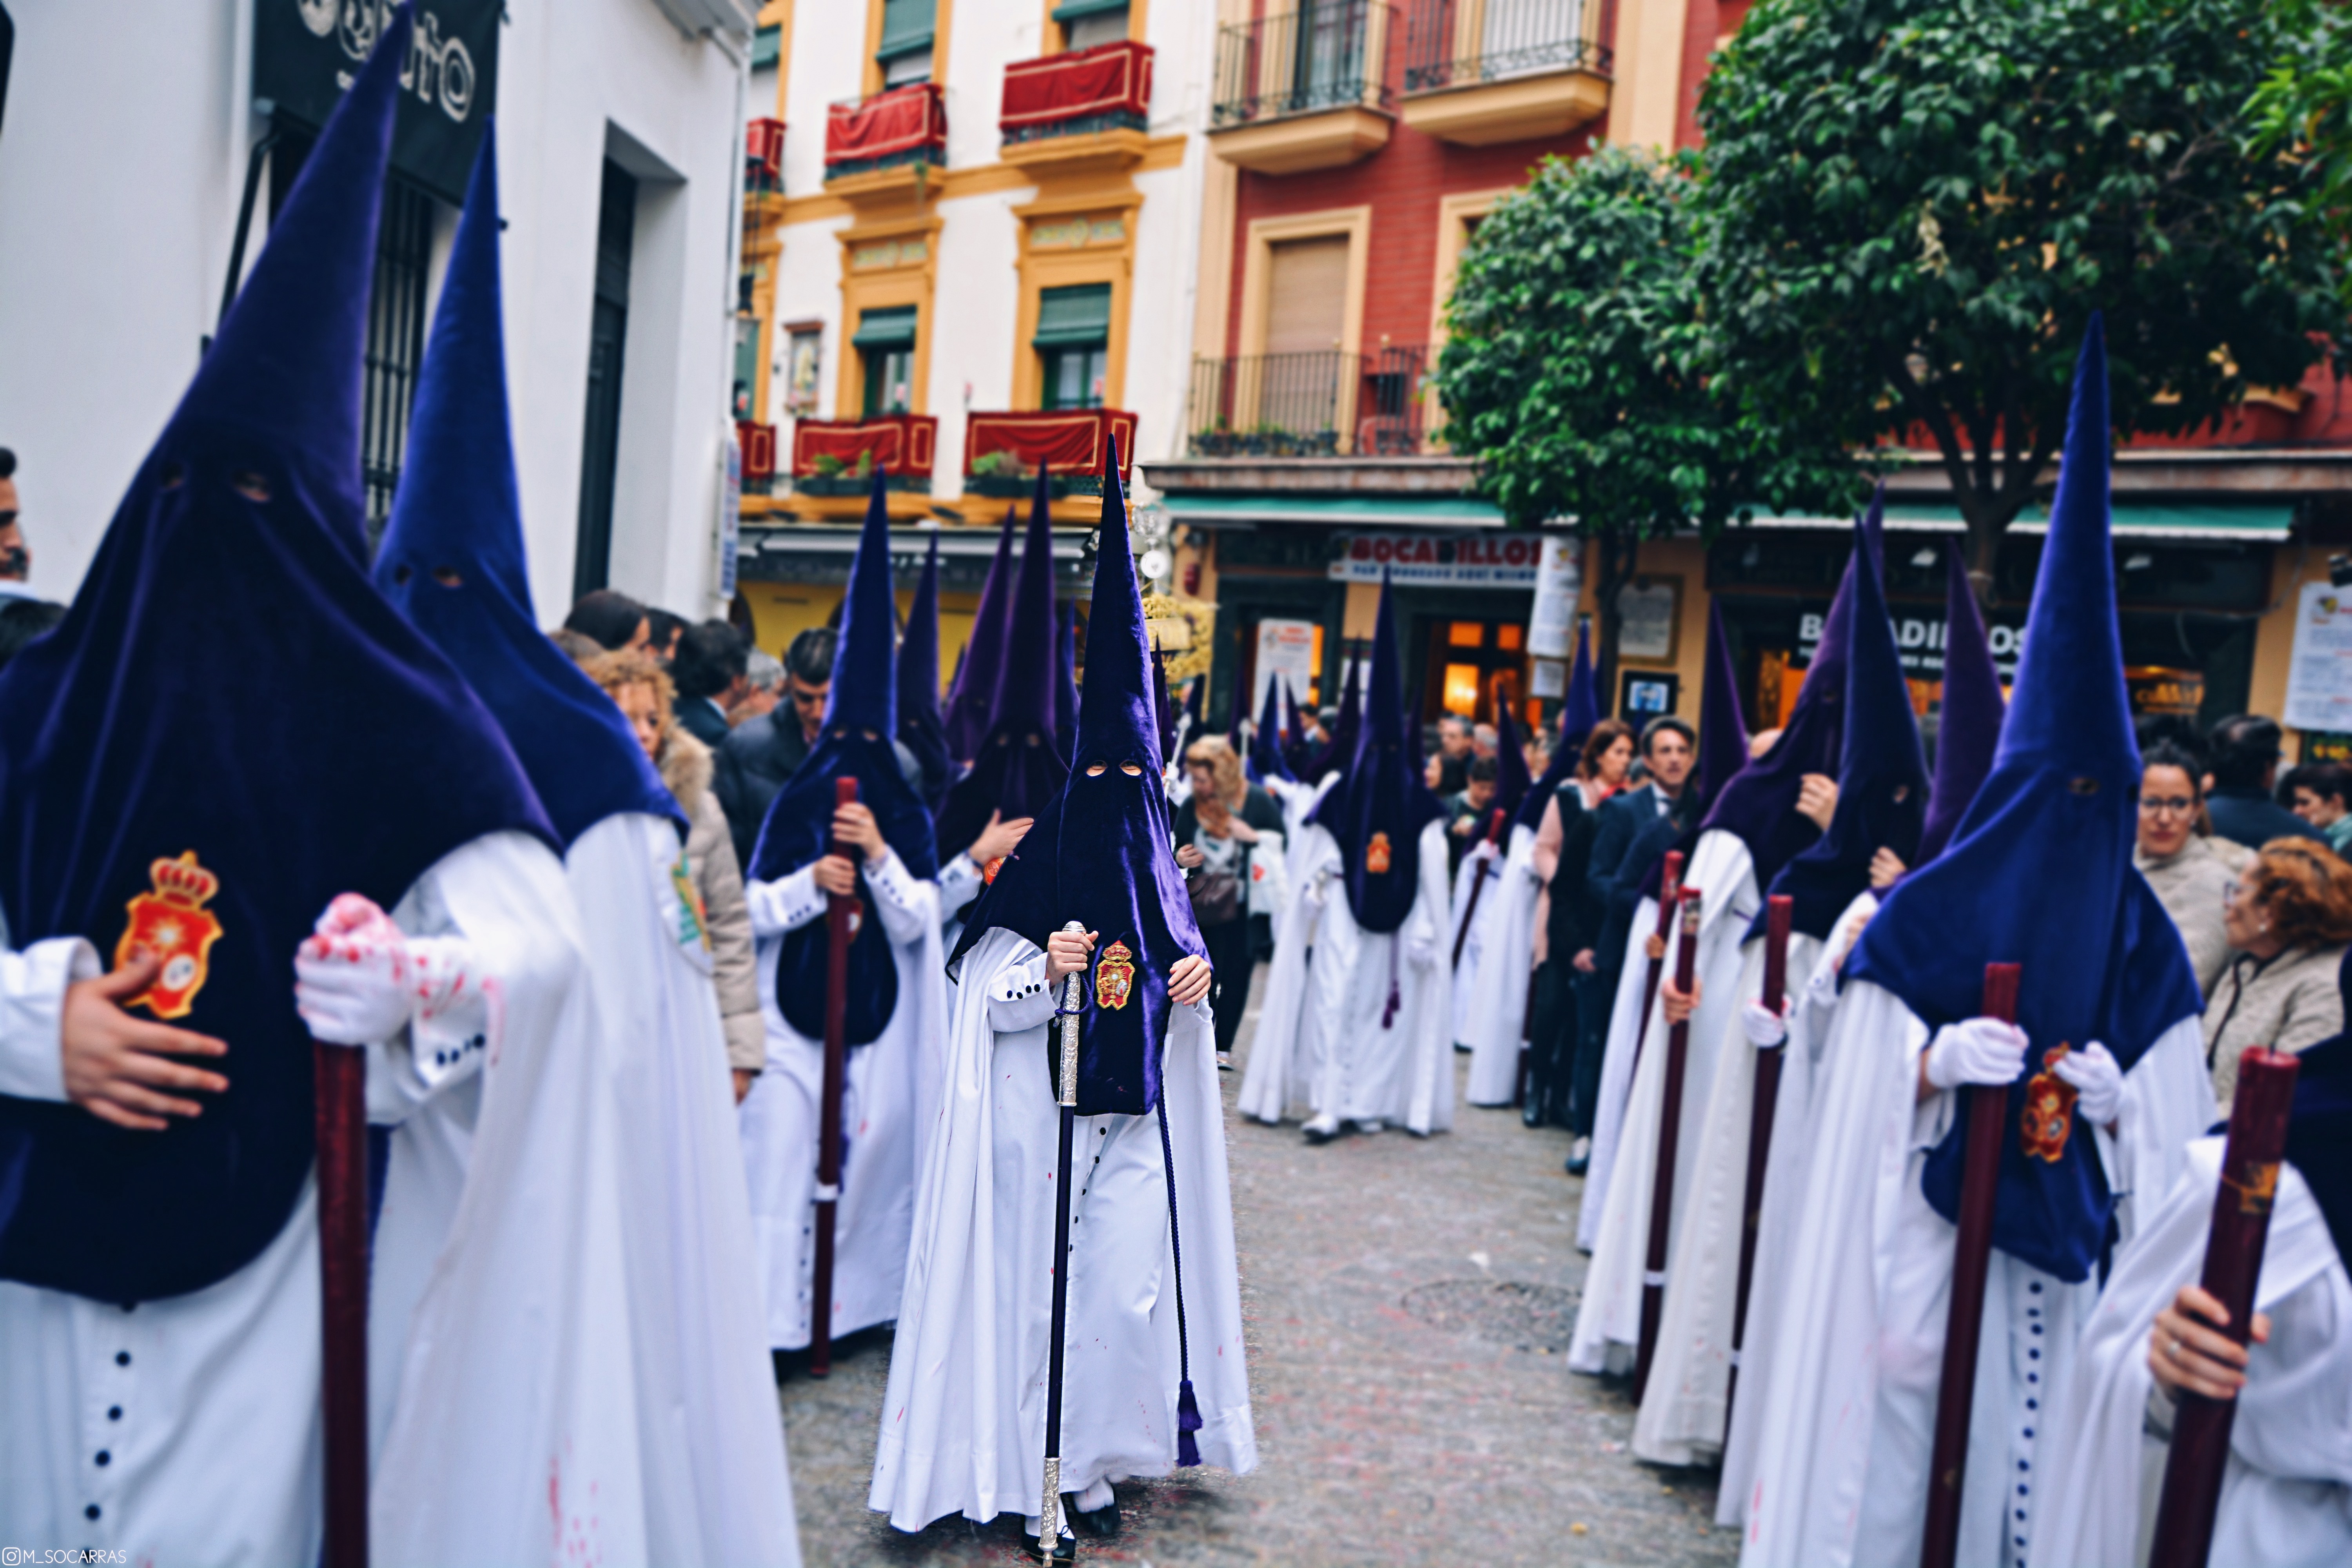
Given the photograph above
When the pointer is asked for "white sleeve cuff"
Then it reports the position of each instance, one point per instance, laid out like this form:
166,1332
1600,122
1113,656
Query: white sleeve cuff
32,1012
785,904
897,899
960,883
1019,998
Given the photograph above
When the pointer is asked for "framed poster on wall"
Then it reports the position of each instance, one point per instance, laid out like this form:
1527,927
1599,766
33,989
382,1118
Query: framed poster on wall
1650,608
1644,694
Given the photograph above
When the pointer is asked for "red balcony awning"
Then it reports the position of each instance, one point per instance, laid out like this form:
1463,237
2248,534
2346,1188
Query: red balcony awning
902,119
763,149
1071,441
1109,78
903,443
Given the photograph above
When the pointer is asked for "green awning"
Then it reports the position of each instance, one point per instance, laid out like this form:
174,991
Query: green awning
1346,511
907,26
1069,11
890,329
2252,522
767,46
1075,317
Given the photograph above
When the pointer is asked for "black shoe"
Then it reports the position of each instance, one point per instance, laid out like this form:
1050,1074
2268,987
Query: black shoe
1103,1523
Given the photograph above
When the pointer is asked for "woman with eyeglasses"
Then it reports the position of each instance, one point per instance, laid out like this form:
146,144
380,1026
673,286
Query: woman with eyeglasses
2289,918
2189,872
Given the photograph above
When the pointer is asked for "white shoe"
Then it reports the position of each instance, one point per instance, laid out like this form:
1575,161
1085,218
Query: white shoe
1322,1129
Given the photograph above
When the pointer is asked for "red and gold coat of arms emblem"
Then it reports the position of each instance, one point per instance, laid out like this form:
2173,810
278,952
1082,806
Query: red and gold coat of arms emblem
1114,976
1376,855
2049,1113
173,923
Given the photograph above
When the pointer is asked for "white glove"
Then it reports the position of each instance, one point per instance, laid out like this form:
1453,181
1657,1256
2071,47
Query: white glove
352,981
1485,850
1977,1051
2098,1083
1766,1030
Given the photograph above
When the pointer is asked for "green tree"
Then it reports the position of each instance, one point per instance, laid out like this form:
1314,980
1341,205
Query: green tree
2303,107
1914,206
1573,370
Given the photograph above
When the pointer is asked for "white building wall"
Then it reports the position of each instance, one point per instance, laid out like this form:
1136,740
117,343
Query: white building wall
116,215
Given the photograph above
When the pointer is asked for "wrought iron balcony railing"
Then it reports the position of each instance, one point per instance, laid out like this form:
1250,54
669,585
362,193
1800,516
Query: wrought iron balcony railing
1313,57
1321,405
1454,43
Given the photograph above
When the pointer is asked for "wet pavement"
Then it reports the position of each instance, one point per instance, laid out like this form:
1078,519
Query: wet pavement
1408,1304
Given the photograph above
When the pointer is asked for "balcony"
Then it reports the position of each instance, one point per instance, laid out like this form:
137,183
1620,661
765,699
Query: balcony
757,445
1323,405
1001,453
1081,111
884,144
1480,72
1306,88
834,462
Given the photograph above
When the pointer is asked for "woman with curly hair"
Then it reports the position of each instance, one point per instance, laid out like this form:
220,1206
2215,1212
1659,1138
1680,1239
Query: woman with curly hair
2289,916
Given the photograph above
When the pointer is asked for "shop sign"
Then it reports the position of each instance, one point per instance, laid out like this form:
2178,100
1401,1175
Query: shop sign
1438,561
306,52
1560,582
2319,674
1286,648
1920,639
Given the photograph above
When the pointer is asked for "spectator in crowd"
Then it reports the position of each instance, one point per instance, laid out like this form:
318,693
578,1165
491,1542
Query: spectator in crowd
614,619
1537,752
2289,916
1484,741
577,646
2319,793
709,670
22,620
762,752
763,687
1452,755
1465,812
2245,759
2188,875
16,558
637,683
1222,823
1636,827
1568,922
663,628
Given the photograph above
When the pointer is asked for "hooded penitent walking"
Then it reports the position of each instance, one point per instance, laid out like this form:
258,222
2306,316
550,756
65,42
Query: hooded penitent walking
159,1297
716,1486
1479,902
879,851
1154,1375
2107,1086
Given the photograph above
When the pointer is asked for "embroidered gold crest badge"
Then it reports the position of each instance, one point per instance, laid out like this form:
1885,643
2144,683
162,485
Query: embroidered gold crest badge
1114,976
173,923
1376,855
2049,1111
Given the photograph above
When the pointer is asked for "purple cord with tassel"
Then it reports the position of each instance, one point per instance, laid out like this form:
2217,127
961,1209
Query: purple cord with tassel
1187,1408
1396,997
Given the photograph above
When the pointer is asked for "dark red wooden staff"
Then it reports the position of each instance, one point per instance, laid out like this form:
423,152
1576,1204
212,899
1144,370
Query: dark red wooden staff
1670,1130
1670,882
840,929
1778,911
2233,1263
1972,1258
338,1107
1477,886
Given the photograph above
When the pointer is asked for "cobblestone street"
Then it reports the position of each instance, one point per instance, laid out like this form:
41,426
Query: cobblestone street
1409,1306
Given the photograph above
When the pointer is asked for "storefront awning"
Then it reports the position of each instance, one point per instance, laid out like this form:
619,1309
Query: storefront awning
2243,522
1333,511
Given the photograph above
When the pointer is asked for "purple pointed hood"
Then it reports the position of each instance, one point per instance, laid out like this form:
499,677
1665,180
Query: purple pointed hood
1722,729
972,701
1378,809
1578,713
1347,729
1020,766
1264,755
1511,780
1969,729
920,730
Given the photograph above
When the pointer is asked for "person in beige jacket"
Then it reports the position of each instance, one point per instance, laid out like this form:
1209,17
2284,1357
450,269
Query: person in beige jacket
643,691
2189,873
2289,918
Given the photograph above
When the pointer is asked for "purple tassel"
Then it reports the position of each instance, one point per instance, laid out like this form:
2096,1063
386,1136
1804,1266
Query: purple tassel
1396,997
1188,1421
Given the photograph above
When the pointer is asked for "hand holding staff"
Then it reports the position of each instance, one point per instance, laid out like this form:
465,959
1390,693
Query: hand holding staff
1670,883
1670,1129
2233,1264
1971,1259
1779,910
1049,1507
1477,886
840,929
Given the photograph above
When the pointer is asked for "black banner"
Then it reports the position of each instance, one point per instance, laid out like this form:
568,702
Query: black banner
305,53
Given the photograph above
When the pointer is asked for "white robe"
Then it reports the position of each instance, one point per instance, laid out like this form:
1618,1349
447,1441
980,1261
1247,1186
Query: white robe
962,1425
1471,928
1840,1473
1497,1018
1401,1072
960,881
1609,1322
1626,1019
1286,1053
890,1100
207,1405
2286,1493
1814,1002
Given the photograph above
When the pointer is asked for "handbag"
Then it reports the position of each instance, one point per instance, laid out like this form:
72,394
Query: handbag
1216,896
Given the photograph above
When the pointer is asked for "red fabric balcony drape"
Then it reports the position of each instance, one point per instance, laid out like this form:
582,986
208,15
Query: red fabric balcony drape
899,120
1071,441
1109,78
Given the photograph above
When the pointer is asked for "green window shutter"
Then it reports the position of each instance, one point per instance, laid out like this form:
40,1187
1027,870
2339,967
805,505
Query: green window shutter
767,46
891,329
1075,317
907,26
1069,11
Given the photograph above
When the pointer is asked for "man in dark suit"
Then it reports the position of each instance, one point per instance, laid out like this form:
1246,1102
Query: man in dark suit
708,671
2246,753
758,757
